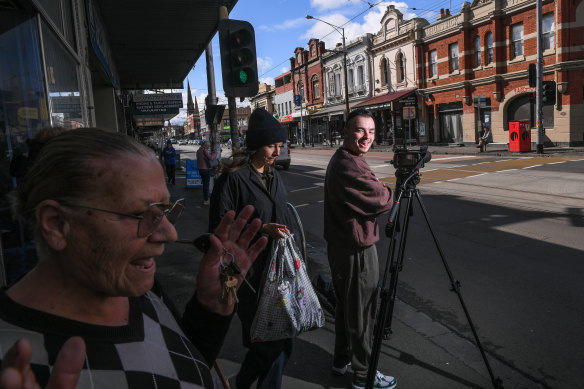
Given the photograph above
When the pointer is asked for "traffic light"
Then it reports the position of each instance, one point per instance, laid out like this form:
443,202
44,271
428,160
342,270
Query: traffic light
532,75
548,93
238,58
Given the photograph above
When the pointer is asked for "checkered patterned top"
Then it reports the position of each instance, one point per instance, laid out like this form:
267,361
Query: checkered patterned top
150,352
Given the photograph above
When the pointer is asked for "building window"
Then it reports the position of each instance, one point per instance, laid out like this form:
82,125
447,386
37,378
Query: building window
332,84
337,84
489,47
360,76
351,79
385,75
453,49
301,90
401,76
313,50
299,58
315,87
477,51
548,27
516,40
433,59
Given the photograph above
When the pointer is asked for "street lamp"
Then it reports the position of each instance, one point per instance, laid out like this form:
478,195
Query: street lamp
342,32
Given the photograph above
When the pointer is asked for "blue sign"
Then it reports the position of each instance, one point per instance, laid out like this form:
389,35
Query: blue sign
297,100
193,177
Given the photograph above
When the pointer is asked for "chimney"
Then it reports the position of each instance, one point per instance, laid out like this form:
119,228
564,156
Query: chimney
447,12
441,12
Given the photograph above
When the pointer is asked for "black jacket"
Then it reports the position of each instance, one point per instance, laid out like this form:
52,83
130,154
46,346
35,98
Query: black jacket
236,190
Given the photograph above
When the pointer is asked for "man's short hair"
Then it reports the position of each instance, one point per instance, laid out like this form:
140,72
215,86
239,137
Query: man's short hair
358,112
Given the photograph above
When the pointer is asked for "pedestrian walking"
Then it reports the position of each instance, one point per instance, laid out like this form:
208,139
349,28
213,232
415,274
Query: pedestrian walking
353,198
169,155
204,158
91,311
250,178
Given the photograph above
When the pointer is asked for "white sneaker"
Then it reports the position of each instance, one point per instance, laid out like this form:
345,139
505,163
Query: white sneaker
381,382
340,370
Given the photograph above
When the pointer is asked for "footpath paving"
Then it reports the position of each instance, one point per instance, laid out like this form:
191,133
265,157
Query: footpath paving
421,353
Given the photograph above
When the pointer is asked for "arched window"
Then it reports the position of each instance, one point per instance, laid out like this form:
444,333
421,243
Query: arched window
385,71
477,51
489,47
315,87
301,90
400,68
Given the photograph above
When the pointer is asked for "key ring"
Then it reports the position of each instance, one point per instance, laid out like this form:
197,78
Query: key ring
225,252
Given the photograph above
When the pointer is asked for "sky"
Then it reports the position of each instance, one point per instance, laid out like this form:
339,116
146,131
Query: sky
281,26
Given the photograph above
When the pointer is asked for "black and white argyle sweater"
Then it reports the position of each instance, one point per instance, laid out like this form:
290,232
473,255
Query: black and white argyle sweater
151,351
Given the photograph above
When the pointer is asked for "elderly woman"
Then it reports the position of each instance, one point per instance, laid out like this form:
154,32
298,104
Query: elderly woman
103,215
251,179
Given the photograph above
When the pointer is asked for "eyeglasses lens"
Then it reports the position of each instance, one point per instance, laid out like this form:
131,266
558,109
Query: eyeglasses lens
153,216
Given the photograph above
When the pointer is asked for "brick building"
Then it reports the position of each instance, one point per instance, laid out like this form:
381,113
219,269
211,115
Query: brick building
472,70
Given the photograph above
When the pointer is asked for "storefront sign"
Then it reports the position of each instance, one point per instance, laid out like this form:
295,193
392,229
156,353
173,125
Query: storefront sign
523,89
409,101
193,177
157,103
285,119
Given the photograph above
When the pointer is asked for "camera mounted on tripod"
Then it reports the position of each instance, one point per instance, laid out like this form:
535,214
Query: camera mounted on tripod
407,163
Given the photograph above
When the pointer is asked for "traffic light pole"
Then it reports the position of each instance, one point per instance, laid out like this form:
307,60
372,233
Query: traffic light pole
233,125
538,87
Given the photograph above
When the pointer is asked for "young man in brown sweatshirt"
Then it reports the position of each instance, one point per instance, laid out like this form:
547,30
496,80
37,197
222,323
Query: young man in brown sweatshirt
353,199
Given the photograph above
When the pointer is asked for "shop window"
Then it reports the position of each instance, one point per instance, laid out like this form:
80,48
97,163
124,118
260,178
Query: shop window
548,28
433,59
62,79
489,47
516,40
477,51
453,50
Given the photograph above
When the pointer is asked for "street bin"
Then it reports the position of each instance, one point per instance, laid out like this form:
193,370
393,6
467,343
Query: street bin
519,136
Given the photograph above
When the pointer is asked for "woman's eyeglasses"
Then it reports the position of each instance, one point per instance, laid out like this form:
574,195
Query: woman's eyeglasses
149,219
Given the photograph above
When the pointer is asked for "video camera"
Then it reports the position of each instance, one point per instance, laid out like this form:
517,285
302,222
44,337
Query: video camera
404,159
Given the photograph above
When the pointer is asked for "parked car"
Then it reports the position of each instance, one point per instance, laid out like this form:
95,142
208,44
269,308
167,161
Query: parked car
284,158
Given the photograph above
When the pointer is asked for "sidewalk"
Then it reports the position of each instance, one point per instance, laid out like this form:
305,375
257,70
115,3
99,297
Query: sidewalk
421,353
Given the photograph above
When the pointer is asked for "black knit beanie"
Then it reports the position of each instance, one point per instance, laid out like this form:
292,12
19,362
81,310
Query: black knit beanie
263,129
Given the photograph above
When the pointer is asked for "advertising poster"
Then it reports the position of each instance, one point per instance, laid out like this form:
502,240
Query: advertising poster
193,176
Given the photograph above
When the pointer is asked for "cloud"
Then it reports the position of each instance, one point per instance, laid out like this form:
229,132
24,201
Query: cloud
267,80
284,70
323,5
285,25
264,64
371,23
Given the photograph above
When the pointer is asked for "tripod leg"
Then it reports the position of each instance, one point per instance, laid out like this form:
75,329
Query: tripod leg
497,383
387,295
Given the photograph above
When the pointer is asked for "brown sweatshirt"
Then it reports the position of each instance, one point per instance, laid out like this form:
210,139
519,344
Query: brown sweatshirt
353,198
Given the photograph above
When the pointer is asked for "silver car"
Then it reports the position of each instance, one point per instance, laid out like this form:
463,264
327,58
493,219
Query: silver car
284,158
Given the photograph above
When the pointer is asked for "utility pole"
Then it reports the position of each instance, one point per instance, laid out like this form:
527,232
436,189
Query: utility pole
211,99
538,87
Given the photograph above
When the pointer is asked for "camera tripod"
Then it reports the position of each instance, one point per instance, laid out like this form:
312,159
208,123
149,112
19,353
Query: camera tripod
406,187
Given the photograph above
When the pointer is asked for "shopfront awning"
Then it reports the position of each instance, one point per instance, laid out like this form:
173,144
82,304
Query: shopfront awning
384,101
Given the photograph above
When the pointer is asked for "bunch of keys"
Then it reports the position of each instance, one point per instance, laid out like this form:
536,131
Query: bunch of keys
227,274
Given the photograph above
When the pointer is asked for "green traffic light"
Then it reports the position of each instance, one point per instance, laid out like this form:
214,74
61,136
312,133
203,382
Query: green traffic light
243,76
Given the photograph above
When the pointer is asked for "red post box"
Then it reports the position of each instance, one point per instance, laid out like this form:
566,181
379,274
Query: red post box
519,136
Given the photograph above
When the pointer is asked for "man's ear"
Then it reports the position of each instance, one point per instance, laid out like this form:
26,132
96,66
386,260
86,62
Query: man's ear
53,223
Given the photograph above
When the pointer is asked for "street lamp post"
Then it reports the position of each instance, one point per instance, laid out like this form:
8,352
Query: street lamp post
342,32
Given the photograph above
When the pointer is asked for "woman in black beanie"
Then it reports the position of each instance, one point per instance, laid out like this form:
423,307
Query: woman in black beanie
250,178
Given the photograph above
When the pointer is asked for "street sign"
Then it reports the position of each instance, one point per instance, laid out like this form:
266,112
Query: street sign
297,100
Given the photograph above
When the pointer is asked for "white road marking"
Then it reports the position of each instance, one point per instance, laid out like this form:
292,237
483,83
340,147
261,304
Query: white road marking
458,157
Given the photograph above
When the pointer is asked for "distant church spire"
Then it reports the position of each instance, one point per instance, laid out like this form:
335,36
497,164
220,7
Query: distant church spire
190,105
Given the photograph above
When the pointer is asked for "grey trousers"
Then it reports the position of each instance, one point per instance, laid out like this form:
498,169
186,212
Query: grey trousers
355,278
